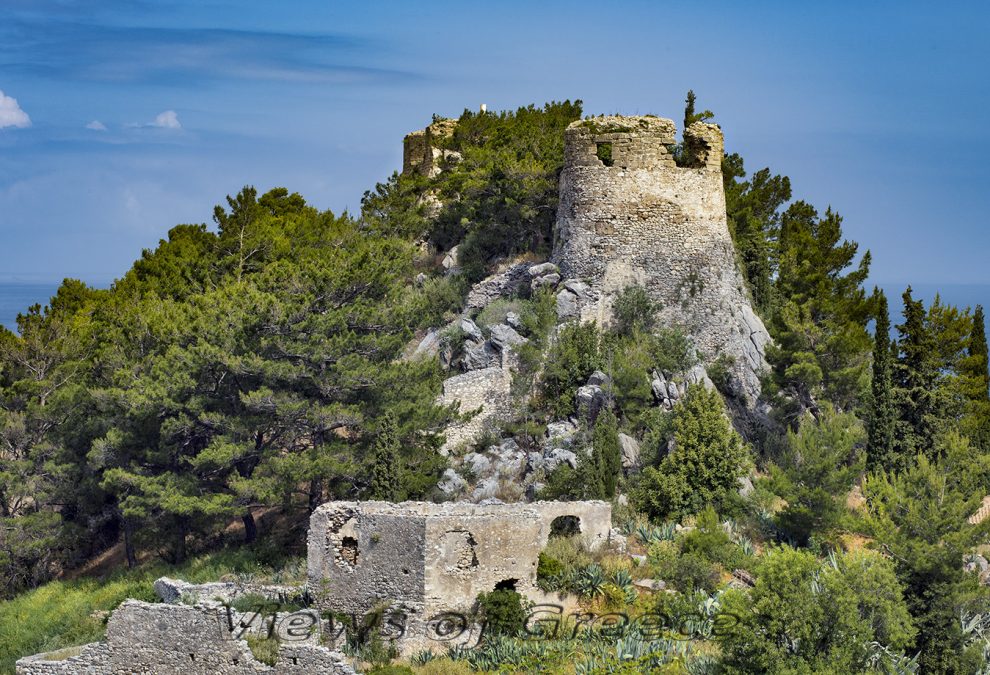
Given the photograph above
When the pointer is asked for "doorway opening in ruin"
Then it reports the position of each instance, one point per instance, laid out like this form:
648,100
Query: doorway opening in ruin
604,153
565,526
349,550
506,585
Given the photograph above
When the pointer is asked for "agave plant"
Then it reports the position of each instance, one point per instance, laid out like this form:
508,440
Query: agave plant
624,581
422,657
590,581
882,659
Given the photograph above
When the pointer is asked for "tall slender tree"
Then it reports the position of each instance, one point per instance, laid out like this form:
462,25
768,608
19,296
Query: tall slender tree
385,479
606,455
880,439
915,382
976,382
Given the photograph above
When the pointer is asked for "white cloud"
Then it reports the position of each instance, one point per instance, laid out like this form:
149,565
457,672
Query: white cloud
11,114
96,125
167,120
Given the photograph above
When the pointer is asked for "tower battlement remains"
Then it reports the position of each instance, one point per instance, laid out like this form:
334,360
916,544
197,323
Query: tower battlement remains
629,214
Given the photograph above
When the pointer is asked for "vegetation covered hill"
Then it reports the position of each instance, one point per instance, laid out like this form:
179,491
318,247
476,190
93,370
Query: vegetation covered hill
258,365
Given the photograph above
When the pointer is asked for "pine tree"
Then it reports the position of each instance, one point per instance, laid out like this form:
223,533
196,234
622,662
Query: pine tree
385,479
690,116
880,442
822,345
689,108
704,467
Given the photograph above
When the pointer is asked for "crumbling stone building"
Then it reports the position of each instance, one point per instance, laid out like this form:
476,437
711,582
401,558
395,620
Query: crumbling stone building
173,637
432,558
629,214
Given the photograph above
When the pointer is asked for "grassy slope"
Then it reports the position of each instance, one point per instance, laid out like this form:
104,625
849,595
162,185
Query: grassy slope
66,613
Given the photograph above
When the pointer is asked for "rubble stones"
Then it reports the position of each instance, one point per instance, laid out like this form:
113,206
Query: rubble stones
502,285
600,379
479,355
542,269
471,330
504,336
451,484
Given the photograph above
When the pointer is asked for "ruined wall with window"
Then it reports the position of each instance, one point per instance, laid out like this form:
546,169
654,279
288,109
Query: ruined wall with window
630,214
428,558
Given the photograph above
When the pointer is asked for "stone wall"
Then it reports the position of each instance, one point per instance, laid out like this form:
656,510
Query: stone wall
361,553
486,393
429,558
628,215
419,151
164,639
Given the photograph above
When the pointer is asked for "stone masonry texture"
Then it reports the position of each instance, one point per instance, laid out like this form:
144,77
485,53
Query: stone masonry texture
629,215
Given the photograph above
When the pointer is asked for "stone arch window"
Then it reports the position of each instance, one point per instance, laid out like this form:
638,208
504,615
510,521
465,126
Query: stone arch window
349,550
604,153
565,526
507,585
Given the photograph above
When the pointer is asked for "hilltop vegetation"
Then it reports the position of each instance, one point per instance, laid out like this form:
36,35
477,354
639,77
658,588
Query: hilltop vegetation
257,365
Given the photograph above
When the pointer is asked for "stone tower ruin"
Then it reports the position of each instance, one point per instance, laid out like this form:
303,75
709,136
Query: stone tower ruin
629,215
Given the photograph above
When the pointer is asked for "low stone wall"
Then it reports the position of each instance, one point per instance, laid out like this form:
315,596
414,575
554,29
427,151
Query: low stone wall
164,639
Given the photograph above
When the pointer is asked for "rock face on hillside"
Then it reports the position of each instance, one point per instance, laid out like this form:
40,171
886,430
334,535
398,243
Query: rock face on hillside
629,215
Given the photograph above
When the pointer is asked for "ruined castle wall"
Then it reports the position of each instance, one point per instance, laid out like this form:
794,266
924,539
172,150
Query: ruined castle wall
487,391
420,153
428,558
473,549
360,555
637,218
164,639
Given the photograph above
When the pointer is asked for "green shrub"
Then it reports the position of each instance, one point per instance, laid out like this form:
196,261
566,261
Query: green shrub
502,611
391,670
634,311
500,199
573,357
711,542
265,649
548,572
708,458
693,572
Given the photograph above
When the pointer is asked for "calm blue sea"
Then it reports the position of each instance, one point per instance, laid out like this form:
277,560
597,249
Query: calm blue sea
17,296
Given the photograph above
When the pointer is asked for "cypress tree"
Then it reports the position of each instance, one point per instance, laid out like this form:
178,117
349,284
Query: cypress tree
385,470
880,440
915,382
606,454
689,109
976,380
977,349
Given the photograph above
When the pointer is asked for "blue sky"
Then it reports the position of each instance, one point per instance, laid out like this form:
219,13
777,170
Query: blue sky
132,116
